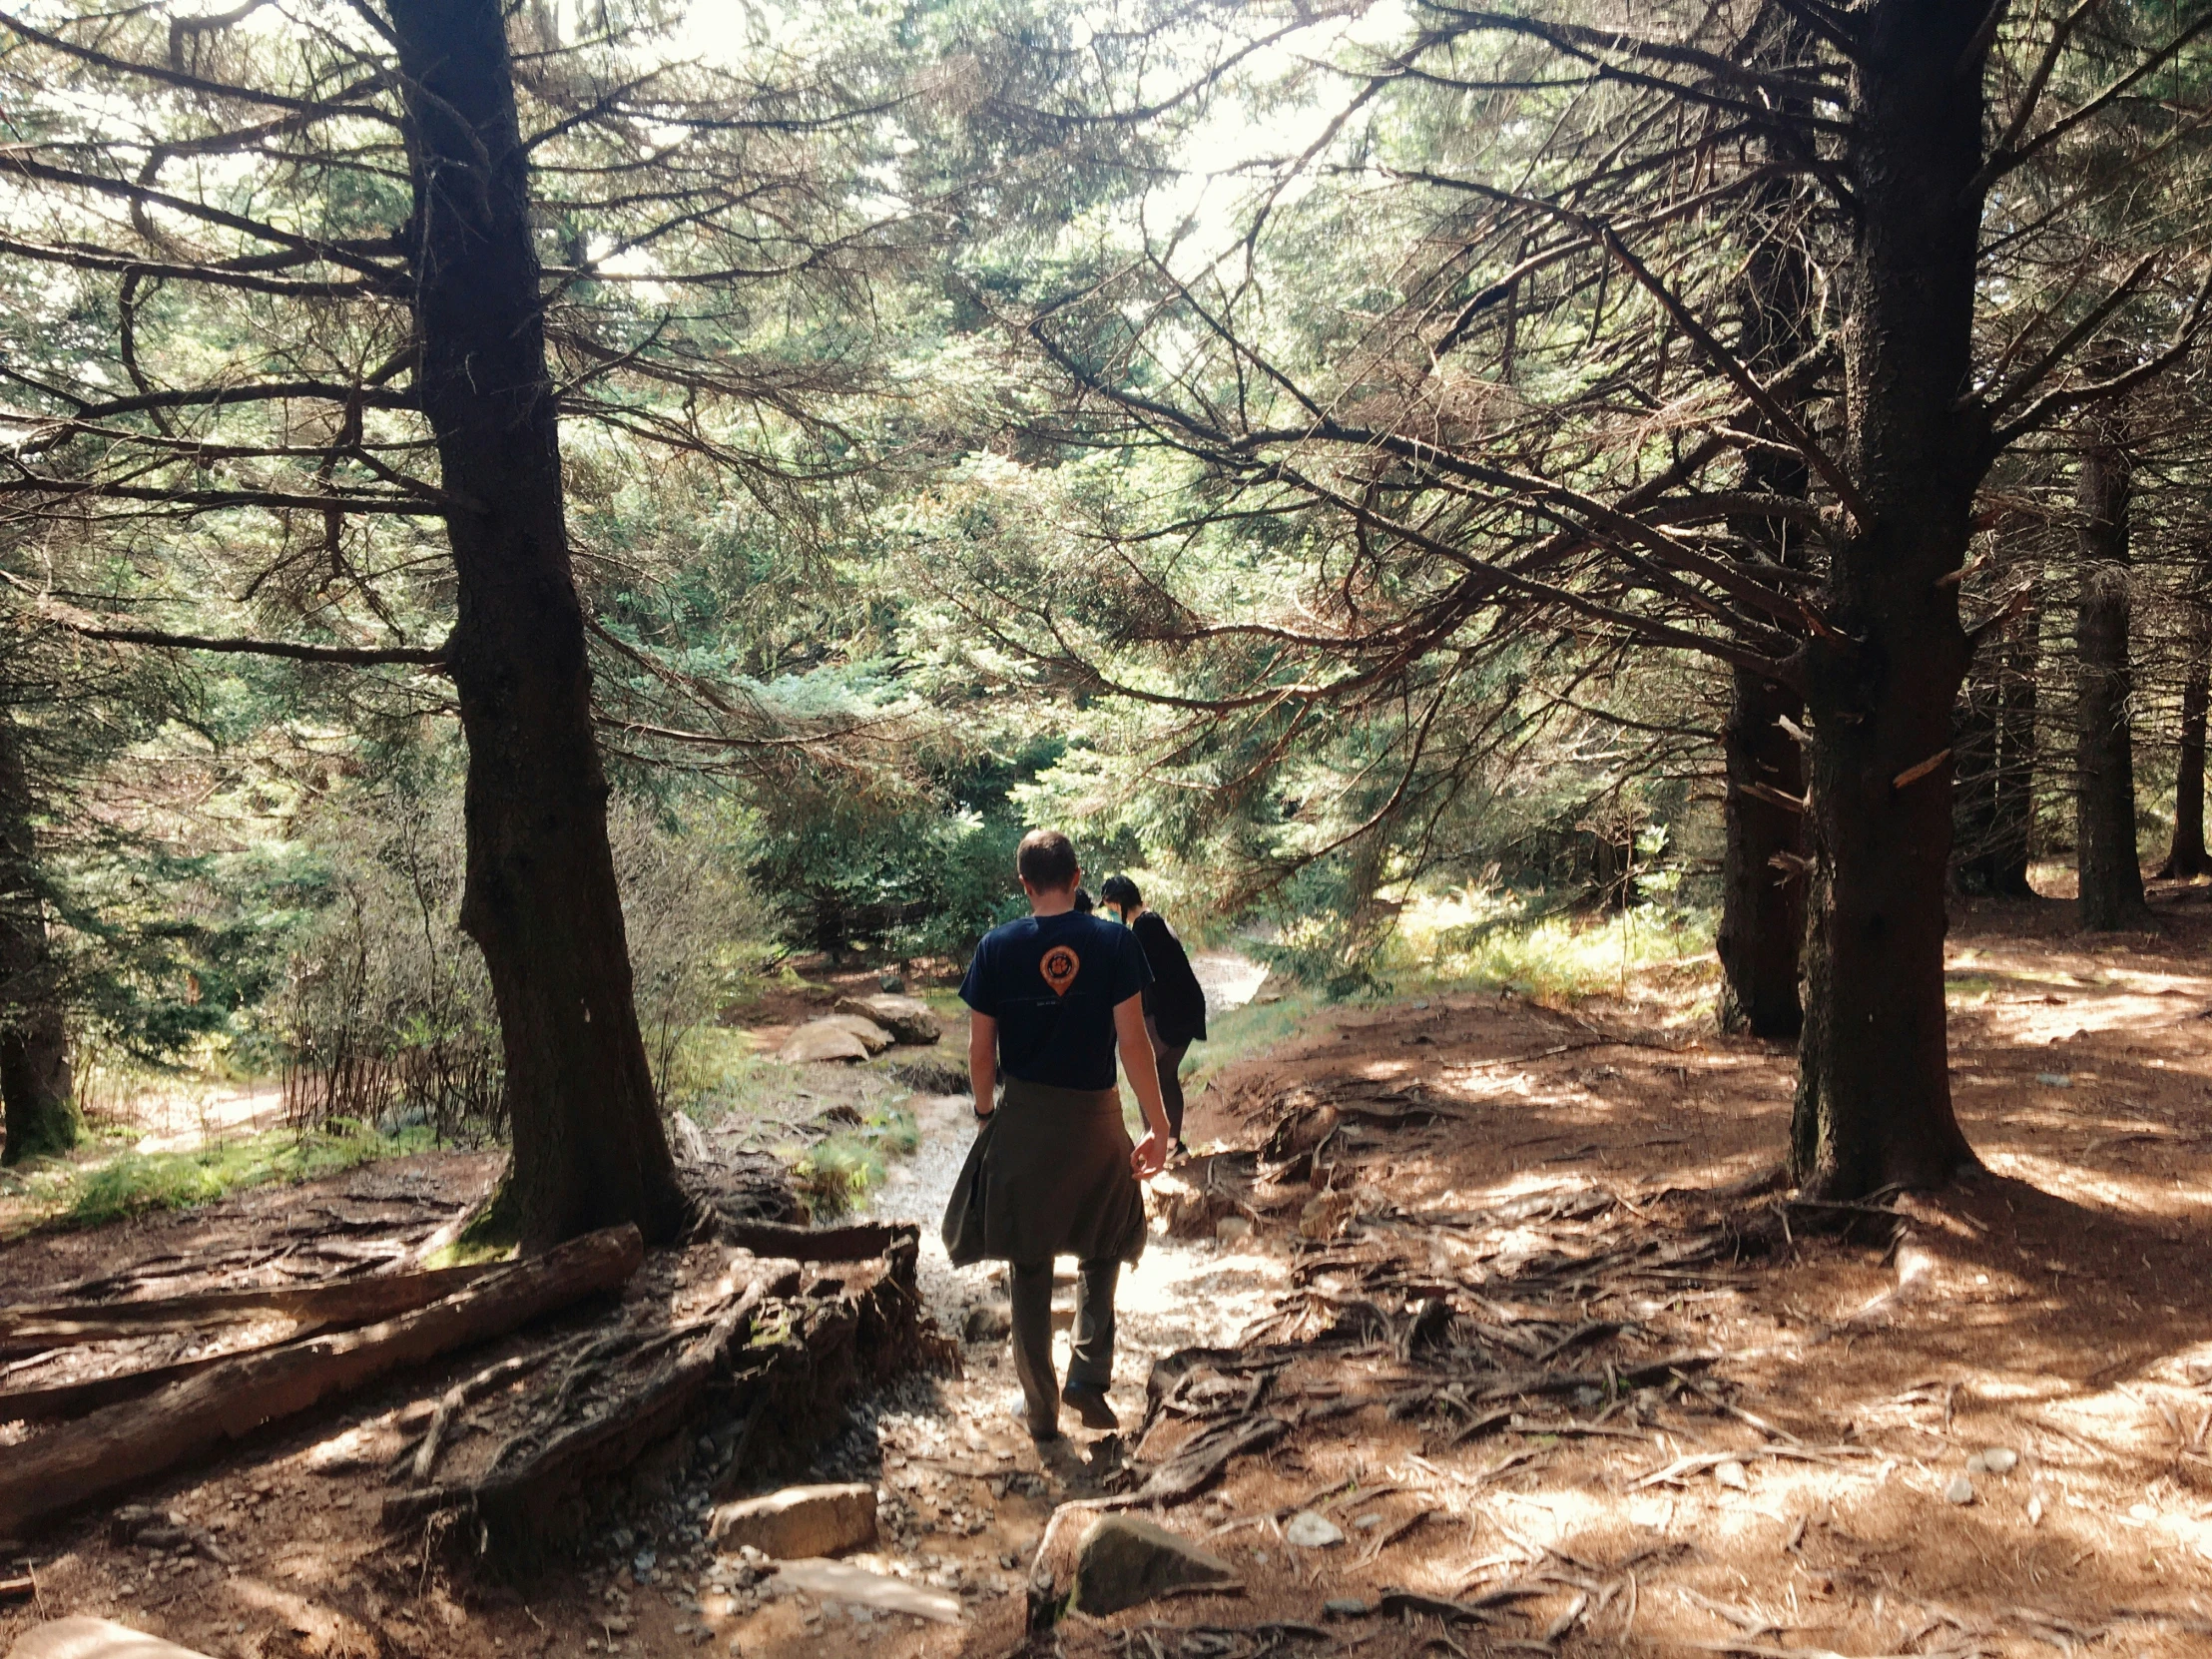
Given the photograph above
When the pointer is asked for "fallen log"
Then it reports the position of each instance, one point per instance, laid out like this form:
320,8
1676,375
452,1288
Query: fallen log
863,1243
74,1399
119,1445
344,1301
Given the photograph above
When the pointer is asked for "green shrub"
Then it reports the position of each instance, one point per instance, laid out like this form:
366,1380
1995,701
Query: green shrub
136,1183
835,1175
1484,941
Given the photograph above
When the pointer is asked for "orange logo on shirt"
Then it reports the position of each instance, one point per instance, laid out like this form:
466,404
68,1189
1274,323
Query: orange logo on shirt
1059,968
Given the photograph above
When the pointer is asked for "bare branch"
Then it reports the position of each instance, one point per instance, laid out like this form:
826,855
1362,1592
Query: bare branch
344,656
2040,369
1786,423
2053,404
349,100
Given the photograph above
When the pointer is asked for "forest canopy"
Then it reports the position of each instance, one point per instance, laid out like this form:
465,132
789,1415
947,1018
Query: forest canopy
517,519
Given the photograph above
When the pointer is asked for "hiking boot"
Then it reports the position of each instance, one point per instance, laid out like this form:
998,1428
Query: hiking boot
1089,1404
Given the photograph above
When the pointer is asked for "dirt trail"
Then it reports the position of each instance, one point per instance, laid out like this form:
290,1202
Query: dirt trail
1565,1380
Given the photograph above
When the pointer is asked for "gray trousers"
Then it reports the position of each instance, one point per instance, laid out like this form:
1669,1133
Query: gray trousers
1090,1365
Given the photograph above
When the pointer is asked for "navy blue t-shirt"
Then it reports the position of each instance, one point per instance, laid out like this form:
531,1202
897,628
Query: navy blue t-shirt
1053,983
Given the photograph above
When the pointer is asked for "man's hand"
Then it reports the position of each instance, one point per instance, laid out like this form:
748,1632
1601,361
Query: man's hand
1149,1156
1143,1071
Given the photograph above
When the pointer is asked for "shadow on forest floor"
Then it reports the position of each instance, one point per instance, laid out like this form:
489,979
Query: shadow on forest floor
1560,1388
1816,1469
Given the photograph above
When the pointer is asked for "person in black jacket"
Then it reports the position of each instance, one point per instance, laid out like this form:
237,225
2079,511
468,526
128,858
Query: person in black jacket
1174,1003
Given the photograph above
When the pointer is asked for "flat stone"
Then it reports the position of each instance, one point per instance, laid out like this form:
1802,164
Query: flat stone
874,1035
1346,1607
1123,1560
799,1522
831,1039
1732,1475
88,1638
1310,1530
840,1582
908,1018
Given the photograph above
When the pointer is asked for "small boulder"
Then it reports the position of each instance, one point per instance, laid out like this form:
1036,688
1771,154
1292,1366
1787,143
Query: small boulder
1960,1490
867,1030
1310,1530
837,1582
1123,1560
831,1039
908,1018
88,1638
128,1520
799,1522
688,1141
988,1322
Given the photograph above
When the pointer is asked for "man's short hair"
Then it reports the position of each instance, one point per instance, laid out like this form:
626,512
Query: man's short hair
1046,860
1119,889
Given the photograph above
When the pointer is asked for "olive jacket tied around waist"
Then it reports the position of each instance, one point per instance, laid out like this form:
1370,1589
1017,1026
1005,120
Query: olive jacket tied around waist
1048,1176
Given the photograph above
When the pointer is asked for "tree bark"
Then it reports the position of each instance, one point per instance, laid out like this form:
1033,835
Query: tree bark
37,1088
541,900
2187,856
1976,746
2106,857
1994,817
1761,924
2014,844
1762,927
1874,1101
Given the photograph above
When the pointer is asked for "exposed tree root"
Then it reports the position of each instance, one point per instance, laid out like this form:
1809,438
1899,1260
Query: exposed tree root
766,1370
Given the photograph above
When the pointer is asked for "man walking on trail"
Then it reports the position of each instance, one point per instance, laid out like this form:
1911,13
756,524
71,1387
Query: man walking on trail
1053,1172
1174,1003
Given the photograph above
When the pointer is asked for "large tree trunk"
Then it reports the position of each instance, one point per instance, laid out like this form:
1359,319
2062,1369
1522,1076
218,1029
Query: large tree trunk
36,1084
541,898
2012,842
1761,880
2106,857
1761,929
1874,1083
1976,742
1994,807
2186,857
